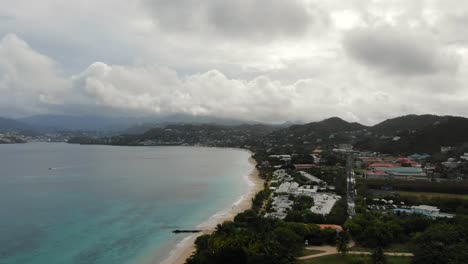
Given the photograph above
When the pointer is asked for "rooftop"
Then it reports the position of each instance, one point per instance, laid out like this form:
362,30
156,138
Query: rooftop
336,227
382,164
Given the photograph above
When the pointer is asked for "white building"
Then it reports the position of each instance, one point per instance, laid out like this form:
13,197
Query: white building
323,203
425,209
310,177
464,157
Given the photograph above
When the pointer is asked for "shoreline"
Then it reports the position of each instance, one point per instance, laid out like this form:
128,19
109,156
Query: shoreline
185,248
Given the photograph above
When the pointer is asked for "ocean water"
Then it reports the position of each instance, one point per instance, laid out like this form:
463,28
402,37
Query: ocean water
62,203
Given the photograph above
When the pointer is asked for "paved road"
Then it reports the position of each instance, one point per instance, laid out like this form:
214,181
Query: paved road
350,188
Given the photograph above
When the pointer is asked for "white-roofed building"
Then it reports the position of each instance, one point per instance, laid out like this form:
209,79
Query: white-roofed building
323,203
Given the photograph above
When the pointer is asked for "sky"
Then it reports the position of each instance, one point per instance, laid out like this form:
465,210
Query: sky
256,60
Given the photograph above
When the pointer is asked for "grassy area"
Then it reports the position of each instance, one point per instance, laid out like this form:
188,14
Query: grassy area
433,195
353,259
308,252
400,248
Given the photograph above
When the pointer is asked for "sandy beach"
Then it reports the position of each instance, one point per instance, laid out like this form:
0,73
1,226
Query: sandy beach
185,249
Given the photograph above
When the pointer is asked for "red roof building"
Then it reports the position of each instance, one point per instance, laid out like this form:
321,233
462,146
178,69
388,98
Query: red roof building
408,161
336,227
383,164
377,172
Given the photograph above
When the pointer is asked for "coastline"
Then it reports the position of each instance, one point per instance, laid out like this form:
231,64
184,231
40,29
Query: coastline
184,249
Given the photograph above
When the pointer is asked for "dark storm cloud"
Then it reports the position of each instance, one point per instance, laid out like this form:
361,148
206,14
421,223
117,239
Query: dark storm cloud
235,18
398,51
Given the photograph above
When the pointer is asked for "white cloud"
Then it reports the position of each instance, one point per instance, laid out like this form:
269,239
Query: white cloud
29,81
257,60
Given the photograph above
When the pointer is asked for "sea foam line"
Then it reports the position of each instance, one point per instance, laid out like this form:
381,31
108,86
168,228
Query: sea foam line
213,221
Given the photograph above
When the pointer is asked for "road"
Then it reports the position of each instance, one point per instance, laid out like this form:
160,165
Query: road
350,185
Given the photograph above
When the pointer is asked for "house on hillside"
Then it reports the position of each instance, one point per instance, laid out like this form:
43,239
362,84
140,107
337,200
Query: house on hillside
464,156
451,163
376,174
345,146
283,157
362,162
444,150
419,156
303,166
317,151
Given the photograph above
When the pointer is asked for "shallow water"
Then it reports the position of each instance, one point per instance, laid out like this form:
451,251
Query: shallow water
62,203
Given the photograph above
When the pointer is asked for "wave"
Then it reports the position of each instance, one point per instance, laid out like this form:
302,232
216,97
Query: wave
210,224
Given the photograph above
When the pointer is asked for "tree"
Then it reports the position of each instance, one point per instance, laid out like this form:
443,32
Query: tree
342,243
303,202
378,256
438,244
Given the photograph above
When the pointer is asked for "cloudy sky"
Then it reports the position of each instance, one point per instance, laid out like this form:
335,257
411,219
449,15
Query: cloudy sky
264,60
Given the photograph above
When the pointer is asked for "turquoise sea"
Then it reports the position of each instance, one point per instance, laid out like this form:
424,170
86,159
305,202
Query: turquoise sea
63,203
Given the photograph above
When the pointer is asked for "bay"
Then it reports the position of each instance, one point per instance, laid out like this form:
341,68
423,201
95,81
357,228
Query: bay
63,203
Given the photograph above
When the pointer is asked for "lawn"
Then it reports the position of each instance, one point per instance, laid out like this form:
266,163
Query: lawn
401,248
352,259
307,252
433,195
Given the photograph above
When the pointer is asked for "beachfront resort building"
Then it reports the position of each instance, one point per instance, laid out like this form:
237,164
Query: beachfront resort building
286,187
281,205
310,177
323,203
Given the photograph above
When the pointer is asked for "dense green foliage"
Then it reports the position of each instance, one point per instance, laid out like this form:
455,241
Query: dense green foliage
442,243
302,203
379,230
338,215
420,186
332,175
427,138
447,204
254,239
260,197
342,242
409,122
354,259
378,256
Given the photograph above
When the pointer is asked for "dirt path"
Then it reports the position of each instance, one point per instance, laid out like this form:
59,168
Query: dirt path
398,254
329,250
